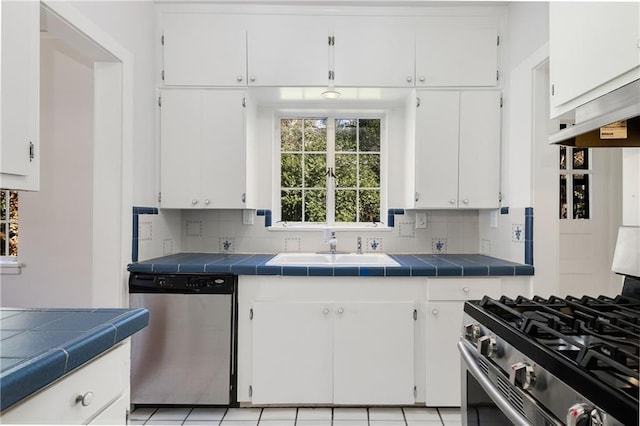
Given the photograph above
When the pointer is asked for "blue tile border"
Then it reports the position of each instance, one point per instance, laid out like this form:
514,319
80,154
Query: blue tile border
268,217
136,230
504,210
528,235
391,219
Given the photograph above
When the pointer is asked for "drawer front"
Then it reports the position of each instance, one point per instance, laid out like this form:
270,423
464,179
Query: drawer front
106,377
463,288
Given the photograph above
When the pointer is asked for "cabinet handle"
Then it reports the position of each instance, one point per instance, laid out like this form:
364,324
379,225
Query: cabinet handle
417,196
194,202
85,399
465,289
340,310
252,78
466,201
434,312
239,78
325,311
409,79
207,202
452,201
422,78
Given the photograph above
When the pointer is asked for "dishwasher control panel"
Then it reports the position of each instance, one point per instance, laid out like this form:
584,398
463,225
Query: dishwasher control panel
182,283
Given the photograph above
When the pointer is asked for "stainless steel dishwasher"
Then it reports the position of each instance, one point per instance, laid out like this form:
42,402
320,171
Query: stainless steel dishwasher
187,354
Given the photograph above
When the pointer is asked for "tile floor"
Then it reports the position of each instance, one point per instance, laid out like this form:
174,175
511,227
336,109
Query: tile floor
373,416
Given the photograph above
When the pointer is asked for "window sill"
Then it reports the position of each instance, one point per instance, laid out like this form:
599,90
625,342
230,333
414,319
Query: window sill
288,227
10,267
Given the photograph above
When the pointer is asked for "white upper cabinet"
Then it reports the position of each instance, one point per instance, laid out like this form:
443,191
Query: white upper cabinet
203,152
287,53
457,162
594,48
374,54
453,54
203,50
19,147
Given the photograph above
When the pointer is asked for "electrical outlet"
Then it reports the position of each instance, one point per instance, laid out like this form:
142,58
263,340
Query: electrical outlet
421,220
247,217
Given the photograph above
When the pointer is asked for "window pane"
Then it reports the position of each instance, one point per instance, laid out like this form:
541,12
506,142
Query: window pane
563,157
3,239
370,170
346,206
581,196
13,207
370,135
315,206
3,205
369,206
291,205
315,170
291,170
13,239
315,134
581,158
563,196
290,135
346,169
346,135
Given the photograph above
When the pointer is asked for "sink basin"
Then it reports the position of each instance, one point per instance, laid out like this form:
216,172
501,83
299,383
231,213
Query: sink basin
328,259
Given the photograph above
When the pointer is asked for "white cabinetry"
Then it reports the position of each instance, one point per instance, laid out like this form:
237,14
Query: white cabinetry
19,146
443,330
203,151
456,55
378,56
288,54
96,393
333,352
457,144
594,48
203,50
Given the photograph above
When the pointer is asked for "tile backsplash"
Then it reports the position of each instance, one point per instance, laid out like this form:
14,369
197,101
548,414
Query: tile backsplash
223,231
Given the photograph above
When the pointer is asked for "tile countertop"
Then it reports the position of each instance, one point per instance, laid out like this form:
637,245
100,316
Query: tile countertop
416,265
38,346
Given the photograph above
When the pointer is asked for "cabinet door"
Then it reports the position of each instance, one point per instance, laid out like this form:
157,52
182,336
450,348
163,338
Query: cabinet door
19,147
444,323
223,149
376,57
479,156
591,43
181,148
447,56
373,353
292,353
288,56
437,130
204,51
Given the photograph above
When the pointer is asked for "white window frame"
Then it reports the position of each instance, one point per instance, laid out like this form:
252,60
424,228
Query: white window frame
9,265
570,172
331,116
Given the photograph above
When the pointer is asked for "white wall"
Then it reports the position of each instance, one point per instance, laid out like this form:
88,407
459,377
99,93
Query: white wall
56,229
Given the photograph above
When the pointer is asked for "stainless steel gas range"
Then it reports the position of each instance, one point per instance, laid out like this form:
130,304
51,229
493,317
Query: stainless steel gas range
551,361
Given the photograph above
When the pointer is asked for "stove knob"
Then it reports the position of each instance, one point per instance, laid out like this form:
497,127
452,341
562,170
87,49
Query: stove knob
583,415
522,375
472,332
487,346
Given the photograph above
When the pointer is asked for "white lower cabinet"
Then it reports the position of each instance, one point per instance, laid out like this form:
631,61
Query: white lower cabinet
333,353
96,393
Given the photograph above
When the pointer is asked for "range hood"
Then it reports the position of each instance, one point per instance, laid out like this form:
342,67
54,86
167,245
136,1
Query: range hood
612,120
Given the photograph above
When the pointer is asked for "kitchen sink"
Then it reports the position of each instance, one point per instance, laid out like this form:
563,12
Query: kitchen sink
332,259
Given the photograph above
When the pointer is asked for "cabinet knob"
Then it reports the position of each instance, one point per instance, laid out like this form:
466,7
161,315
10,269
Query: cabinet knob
239,78
194,202
434,312
325,311
409,79
422,78
452,201
85,399
207,202
340,310
252,78
466,201
465,289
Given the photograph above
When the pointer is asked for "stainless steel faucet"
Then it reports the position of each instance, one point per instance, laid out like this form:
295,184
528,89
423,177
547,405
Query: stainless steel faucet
333,243
359,245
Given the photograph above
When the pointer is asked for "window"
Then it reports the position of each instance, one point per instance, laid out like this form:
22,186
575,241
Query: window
330,170
8,223
575,174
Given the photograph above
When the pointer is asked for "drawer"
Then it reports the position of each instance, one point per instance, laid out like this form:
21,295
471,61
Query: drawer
106,377
462,288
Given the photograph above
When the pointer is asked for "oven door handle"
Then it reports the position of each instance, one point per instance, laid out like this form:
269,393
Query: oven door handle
496,396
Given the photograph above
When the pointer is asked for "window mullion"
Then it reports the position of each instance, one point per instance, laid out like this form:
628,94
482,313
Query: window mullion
331,162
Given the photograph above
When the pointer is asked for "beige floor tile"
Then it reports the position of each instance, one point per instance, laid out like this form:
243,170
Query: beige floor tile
350,423
278,414
421,413
199,414
280,422
310,413
237,414
174,414
136,422
201,422
313,422
164,422
384,413
387,423
450,413
350,414
142,413
239,423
